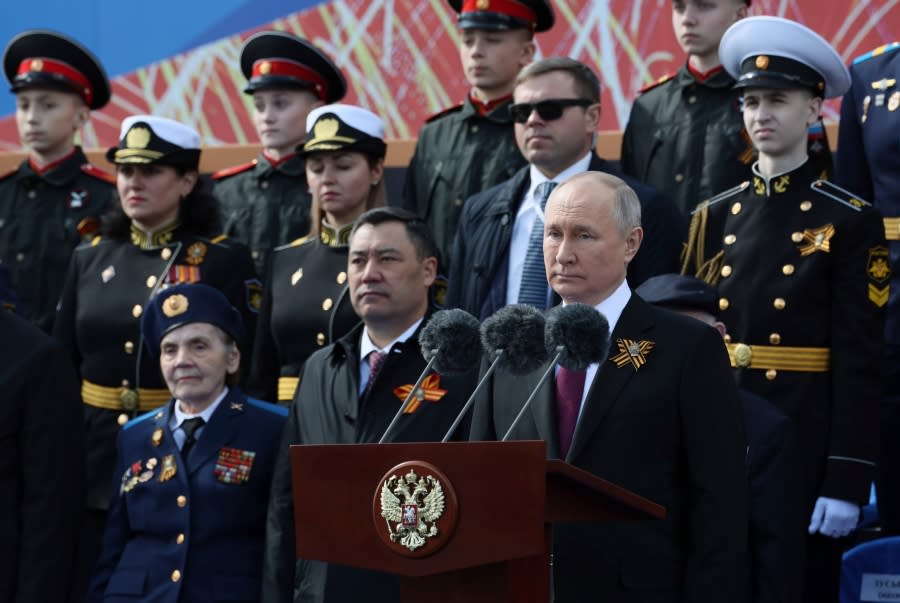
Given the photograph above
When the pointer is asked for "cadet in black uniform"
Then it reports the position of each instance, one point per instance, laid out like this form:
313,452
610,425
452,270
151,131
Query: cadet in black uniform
306,305
162,234
799,264
470,147
265,203
54,199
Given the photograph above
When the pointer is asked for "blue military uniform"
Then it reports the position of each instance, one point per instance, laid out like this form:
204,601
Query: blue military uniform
868,162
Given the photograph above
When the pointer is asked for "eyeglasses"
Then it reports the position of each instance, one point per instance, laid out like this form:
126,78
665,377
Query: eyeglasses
548,110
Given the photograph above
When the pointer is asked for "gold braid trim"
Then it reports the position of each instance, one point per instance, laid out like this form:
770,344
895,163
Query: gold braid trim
695,250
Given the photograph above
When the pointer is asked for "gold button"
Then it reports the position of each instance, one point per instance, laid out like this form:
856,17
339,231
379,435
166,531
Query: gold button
123,418
788,269
796,237
136,311
129,347
475,128
341,278
180,539
320,338
176,576
774,338
679,177
32,194
151,281
181,501
736,208
723,303
779,303
264,184
692,99
458,202
165,254
726,271
126,383
806,206
326,305
254,255
730,239
771,374
20,256
727,338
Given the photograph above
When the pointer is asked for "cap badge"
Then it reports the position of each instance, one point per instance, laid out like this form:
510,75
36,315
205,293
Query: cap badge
175,305
483,4
762,62
265,68
137,138
37,65
326,128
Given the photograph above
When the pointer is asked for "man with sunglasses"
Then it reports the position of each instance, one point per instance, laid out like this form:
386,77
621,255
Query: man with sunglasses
470,147
497,258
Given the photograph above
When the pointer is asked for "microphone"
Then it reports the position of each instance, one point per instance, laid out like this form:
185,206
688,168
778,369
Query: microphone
513,338
578,336
450,344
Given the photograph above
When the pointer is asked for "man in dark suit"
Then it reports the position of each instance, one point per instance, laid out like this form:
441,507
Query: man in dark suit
660,417
187,521
41,463
496,258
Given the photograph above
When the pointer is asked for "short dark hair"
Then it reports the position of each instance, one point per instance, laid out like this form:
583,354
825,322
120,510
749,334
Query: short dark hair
416,229
587,85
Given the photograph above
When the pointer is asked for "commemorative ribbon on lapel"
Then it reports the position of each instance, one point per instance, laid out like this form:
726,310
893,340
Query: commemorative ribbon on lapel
430,390
632,352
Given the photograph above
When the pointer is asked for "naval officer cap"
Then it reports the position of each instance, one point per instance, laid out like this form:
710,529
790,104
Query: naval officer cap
145,139
534,15
277,59
772,52
184,304
45,59
680,292
343,128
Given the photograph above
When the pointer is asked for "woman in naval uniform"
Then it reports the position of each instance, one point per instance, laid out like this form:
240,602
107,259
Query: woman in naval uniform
305,303
161,234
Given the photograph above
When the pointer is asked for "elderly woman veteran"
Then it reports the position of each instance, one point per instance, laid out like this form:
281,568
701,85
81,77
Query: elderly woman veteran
162,233
305,304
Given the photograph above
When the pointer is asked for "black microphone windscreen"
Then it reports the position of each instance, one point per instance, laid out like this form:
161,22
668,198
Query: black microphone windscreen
581,331
518,330
455,335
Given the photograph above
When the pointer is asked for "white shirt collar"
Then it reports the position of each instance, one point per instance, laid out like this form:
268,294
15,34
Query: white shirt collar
366,345
179,416
613,306
537,178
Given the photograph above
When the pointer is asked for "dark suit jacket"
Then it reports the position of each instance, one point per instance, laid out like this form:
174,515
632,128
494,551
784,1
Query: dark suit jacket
206,521
670,431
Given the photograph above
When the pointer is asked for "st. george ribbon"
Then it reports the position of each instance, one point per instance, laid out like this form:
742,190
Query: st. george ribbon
450,343
578,335
513,338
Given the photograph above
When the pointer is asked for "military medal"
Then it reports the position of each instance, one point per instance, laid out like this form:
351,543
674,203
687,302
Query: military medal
156,439
894,101
879,99
77,198
195,254
816,239
146,476
151,463
429,390
866,102
296,276
233,465
108,273
168,468
632,352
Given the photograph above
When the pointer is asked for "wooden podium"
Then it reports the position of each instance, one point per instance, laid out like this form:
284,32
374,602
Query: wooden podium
492,540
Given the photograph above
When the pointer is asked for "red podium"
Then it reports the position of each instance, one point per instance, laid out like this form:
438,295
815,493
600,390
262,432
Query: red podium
458,522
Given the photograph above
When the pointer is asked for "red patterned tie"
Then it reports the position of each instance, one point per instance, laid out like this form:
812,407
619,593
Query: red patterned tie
569,387
375,360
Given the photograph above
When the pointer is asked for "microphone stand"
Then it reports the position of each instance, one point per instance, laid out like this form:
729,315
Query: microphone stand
412,393
498,355
559,352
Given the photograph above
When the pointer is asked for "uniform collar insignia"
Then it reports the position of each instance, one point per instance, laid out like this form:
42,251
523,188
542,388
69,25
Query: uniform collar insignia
429,390
334,237
816,239
149,240
632,352
238,406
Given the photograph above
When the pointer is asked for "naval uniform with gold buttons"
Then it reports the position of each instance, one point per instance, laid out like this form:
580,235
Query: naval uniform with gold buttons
802,272
190,530
108,284
44,215
306,306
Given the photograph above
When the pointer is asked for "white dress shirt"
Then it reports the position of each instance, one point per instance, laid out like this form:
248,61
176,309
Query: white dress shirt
178,417
366,346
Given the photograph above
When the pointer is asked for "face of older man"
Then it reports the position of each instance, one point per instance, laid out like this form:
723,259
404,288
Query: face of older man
585,254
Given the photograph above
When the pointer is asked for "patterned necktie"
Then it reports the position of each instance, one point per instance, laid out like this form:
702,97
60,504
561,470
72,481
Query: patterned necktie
375,360
533,290
190,427
569,388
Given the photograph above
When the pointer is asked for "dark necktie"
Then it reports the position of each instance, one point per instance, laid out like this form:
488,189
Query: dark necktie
190,427
533,290
375,360
569,388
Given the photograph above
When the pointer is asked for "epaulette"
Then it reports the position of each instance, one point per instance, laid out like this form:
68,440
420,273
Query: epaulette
281,411
841,195
235,169
298,242
218,239
92,170
447,111
877,52
722,196
6,175
658,82
140,418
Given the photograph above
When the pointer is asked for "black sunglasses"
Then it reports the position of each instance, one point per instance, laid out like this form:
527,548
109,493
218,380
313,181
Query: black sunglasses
548,110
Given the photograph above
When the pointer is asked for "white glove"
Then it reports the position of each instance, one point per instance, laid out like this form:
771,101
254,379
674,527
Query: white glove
833,517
